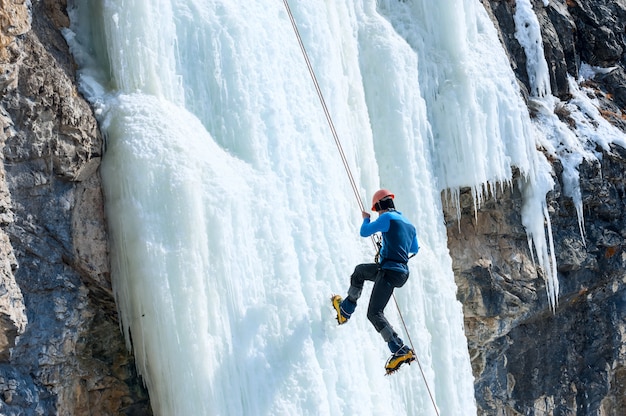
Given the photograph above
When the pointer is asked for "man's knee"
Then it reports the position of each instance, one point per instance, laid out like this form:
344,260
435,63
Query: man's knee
359,268
359,276
361,271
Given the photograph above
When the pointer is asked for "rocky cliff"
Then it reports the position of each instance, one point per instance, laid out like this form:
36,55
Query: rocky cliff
61,350
528,360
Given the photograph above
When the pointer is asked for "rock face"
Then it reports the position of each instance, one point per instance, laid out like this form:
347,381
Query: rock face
61,350
528,360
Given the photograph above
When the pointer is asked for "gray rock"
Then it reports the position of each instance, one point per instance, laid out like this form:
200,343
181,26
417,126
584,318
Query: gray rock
61,350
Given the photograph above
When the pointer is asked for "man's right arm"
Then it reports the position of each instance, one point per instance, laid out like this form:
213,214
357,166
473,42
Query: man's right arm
380,225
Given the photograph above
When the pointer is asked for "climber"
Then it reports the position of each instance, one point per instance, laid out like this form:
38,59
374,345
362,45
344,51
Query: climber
399,243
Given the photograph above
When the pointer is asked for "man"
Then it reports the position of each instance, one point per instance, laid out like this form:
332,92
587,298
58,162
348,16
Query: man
399,242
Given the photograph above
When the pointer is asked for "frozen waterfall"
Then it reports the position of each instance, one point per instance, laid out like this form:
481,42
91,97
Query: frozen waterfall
232,220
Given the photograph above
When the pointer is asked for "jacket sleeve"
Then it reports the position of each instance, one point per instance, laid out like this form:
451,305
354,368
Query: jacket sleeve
380,225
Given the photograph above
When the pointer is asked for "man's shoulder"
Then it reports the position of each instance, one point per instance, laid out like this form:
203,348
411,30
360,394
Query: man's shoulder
392,213
397,216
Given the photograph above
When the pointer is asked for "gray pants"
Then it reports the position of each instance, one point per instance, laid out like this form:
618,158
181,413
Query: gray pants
384,283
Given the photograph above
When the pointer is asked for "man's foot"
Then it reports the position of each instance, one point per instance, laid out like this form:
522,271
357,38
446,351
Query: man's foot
342,316
402,356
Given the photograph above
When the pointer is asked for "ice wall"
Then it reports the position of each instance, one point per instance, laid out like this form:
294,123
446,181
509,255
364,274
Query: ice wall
232,219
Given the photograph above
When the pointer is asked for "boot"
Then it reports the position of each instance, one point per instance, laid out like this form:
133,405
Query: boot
401,356
344,308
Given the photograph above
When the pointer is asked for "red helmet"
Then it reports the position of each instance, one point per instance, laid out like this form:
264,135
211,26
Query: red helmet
380,194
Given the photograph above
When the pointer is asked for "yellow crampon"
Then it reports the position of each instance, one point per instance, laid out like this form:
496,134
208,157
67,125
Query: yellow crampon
336,301
395,361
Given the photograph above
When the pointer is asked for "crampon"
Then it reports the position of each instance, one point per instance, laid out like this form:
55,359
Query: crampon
336,301
396,360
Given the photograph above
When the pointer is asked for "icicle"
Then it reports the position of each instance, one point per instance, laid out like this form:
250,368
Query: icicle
528,34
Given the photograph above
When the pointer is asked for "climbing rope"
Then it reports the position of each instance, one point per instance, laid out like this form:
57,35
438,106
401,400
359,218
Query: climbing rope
355,189
346,166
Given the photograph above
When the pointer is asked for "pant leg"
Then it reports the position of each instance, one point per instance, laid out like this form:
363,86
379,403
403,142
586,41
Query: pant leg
362,272
381,293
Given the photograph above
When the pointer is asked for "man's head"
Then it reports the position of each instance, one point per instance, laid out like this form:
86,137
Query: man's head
382,200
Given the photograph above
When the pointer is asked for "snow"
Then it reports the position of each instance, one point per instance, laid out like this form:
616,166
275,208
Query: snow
231,216
528,34
587,71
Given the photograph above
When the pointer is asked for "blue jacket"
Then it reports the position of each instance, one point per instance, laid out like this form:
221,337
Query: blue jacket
399,239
